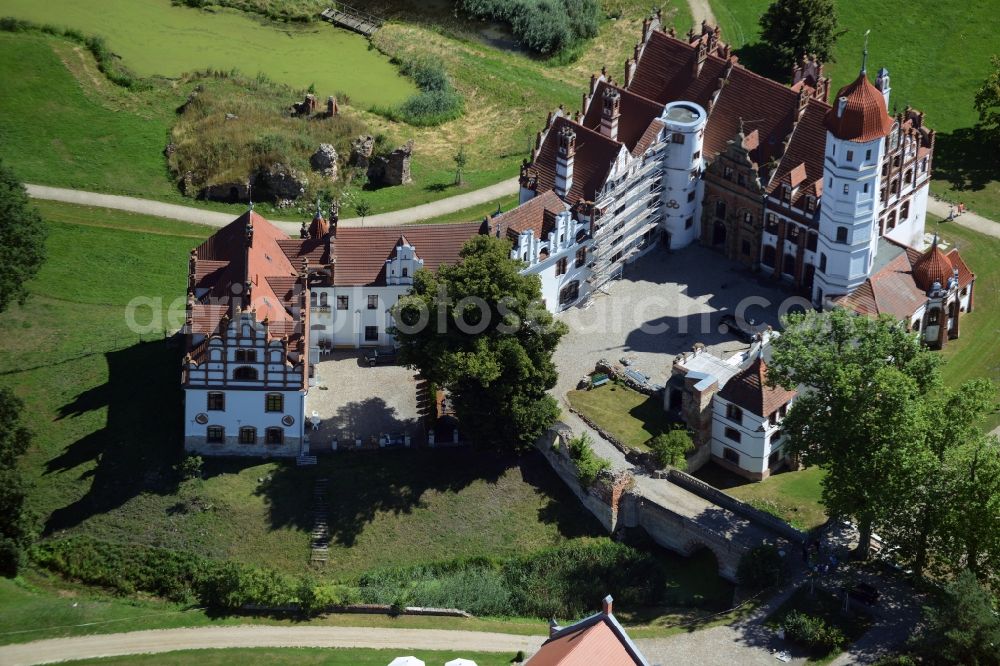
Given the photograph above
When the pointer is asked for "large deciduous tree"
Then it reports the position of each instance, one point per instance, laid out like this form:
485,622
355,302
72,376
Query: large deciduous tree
860,416
988,101
478,329
22,239
15,524
794,28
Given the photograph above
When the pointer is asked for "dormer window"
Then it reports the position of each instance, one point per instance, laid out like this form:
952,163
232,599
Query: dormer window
810,203
786,193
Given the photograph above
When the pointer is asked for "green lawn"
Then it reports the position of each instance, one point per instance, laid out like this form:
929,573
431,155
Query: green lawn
630,416
976,353
821,603
324,656
938,54
796,497
475,213
157,37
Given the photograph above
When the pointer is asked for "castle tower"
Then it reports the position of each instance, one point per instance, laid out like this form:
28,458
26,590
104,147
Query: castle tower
684,124
848,234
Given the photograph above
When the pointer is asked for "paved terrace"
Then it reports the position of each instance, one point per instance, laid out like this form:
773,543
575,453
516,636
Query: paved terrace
664,304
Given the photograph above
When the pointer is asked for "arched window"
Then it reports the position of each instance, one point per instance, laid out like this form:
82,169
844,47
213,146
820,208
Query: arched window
904,211
789,268
324,299
245,373
908,177
274,436
894,187
933,316
891,221
313,300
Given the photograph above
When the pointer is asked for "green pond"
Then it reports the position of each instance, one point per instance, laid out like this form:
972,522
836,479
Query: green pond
154,37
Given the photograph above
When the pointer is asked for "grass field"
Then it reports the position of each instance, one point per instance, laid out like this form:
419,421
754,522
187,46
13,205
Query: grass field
279,656
155,37
795,497
976,353
630,416
937,53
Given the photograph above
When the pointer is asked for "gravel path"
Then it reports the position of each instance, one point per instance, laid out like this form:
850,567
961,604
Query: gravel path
216,219
701,10
967,219
259,636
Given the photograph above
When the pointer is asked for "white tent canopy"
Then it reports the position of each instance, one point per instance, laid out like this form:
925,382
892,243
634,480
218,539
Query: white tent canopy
461,662
406,661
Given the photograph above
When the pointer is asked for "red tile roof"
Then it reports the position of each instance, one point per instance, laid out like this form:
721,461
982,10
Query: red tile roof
664,73
637,113
748,389
804,153
537,214
932,266
360,253
594,156
865,117
590,645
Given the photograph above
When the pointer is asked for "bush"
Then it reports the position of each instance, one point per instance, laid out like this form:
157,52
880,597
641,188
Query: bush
760,567
812,632
670,448
436,103
588,464
190,468
543,26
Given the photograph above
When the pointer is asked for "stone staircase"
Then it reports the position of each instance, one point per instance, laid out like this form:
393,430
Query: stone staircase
320,537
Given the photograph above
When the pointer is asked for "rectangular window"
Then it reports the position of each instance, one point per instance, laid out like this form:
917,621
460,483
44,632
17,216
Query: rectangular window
561,266
246,355
688,223
581,257
866,188
274,436
617,256
373,302
847,188
734,413
216,402
868,156
850,155
274,402
215,435
343,302
733,434
697,154
371,333
248,435
731,456
822,263
677,137
406,272
691,195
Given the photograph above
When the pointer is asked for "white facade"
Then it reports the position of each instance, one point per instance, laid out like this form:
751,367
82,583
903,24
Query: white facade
560,261
751,442
848,222
684,123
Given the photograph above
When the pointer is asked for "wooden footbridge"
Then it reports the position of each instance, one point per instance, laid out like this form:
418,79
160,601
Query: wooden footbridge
348,17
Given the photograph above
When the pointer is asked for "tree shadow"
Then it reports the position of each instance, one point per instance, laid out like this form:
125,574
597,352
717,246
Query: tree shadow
368,418
718,477
136,450
561,508
363,484
966,158
762,59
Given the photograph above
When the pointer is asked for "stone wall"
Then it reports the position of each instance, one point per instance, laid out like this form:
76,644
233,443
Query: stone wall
233,447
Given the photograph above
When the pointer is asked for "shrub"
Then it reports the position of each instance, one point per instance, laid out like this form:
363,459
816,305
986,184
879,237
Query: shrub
760,567
670,448
812,632
190,467
588,464
543,26
436,103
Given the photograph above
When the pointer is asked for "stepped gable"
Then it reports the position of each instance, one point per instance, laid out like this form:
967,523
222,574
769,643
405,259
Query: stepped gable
537,214
360,253
665,74
864,117
803,159
594,156
748,389
637,113
764,105
245,262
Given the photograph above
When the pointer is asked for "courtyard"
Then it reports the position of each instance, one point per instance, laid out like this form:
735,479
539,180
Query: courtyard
354,401
665,303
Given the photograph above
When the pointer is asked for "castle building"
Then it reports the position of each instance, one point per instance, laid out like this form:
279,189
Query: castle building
693,147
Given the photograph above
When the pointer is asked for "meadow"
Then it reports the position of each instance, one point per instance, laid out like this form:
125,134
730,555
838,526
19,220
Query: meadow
296,656
937,54
155,37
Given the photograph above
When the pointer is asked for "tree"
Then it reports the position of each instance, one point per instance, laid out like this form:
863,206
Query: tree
987,101
478,329
671,447
362,208
461,159
963,629
861,416
15,522
22,240
794,28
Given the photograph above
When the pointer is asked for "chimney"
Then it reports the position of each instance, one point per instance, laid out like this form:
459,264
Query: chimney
610,113
553,627
698,61
564,160
606,604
